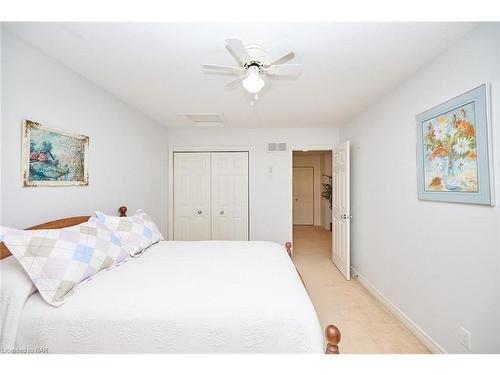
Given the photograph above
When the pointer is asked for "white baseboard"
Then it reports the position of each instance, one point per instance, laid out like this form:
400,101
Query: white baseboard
423,337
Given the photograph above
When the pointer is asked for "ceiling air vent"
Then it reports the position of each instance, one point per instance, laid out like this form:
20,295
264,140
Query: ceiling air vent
205,120
276,147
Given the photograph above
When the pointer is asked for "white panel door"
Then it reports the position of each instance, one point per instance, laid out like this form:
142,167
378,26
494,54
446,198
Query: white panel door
341,252
230,196
303,196
192,196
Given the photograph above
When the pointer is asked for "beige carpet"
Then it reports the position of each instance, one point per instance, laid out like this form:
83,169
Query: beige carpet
365,324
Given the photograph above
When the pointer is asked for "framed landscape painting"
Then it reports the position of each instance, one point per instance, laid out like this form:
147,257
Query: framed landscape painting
53,157
453,150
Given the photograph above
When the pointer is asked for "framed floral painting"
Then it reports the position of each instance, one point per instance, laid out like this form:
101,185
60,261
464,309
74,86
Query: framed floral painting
453,150
53,157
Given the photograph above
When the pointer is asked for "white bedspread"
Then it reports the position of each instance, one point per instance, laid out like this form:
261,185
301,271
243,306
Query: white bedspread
183,297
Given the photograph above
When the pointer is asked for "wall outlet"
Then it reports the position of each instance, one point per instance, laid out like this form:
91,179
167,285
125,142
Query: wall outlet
465,338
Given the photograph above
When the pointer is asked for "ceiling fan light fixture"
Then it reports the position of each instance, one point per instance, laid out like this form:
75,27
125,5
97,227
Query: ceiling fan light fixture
253,83
255,63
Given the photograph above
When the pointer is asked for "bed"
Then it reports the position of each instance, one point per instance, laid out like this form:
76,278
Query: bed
182,297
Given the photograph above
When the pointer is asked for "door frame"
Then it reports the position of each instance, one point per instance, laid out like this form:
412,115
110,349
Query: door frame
170,187
290,155
313,191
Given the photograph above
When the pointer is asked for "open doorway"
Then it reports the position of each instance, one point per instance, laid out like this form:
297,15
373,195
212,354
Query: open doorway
321,207
311,206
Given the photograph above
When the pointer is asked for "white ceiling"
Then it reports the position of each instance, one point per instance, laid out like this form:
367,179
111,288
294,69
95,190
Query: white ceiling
157,67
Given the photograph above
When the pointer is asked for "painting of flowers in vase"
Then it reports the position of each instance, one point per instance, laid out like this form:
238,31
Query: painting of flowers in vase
453,150
53,157
450,151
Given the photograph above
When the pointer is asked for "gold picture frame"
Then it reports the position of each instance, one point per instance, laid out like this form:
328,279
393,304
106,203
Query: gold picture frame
53,157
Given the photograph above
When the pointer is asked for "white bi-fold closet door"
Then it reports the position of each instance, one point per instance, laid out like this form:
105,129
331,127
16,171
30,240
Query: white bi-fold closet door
210,196
192,215
229,195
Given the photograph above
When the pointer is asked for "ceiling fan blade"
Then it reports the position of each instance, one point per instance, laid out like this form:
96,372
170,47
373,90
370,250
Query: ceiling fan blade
285,70
238,50
282,52
235,82
224,68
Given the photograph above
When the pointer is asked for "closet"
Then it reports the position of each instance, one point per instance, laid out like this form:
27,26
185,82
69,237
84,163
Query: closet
210,196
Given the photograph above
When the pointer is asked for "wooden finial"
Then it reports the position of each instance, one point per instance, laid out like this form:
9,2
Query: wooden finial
288,246
123,211
332,335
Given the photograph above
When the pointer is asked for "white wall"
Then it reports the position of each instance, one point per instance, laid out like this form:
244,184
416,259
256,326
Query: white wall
270,193
127,155
437,262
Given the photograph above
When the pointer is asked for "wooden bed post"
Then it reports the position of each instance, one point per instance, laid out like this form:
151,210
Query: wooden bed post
332,335
123,211
288,246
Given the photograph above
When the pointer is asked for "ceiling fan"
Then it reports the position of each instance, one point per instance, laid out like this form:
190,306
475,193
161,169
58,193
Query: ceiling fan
256,63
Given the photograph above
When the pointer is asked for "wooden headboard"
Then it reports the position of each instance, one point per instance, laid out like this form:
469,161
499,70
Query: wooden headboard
57,224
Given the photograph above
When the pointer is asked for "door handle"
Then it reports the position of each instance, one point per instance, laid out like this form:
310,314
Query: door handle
221,212
199,212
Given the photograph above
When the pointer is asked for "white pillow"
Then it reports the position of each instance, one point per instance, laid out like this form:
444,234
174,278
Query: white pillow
15,288
137,232
58,260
